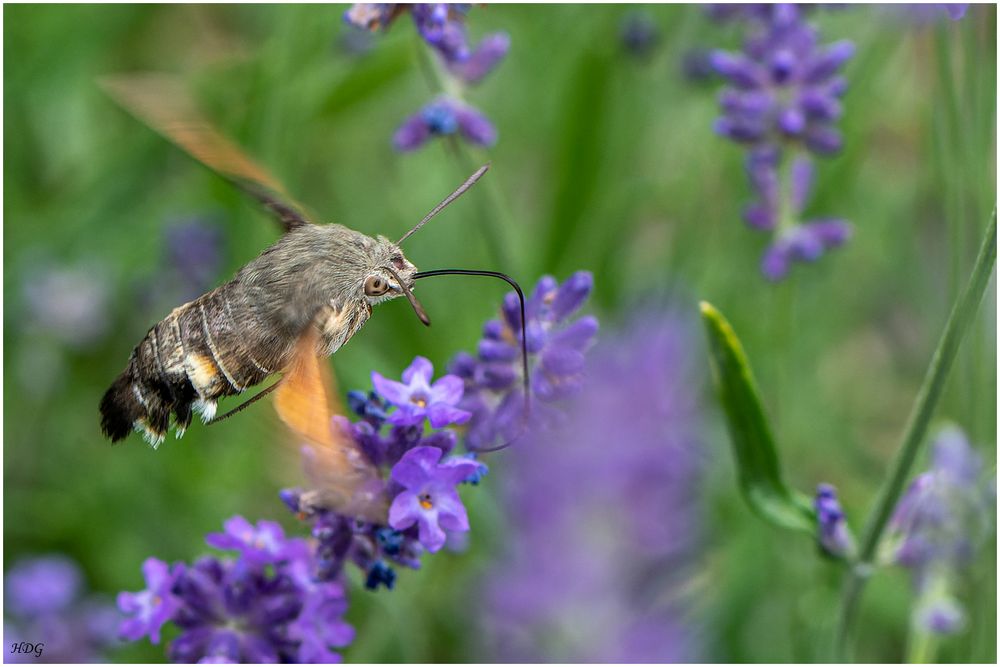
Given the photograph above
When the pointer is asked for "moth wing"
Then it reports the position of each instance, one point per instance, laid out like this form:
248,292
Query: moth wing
164,104
343,478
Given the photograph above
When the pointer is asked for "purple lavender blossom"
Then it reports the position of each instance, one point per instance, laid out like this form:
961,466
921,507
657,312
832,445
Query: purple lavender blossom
429,499
42,585
46,602
442,27
805,243
443,117
416,399
490,52
938,525
604,535
260,545
151,608
834,535
260,607
556,349
783,102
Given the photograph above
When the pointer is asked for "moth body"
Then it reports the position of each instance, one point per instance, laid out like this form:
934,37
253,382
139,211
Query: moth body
323,276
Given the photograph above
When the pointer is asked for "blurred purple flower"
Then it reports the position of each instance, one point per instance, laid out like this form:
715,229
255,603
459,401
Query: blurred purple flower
416,399
639,34
834,535
443,117
782,102
371,15
806,243
42,585
922,14
429,498
937,526
483,60
605,533
46,602
68,303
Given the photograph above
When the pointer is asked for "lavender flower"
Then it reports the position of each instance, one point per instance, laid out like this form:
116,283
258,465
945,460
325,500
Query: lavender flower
783,102
605,531
444,117
46,603
556,349
417,399
937,526
429,499
261,545
834,536
442,27
151,608
260,607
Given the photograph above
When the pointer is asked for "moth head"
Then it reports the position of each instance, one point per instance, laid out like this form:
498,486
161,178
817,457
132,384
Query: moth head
389,275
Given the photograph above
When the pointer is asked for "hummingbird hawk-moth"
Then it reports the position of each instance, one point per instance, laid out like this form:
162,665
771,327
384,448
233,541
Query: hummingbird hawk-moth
302,299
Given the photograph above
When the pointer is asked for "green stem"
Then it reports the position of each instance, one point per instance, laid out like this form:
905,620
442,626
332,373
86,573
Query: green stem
921,649
961,318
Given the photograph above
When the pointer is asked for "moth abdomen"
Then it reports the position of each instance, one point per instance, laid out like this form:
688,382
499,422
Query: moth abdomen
187,362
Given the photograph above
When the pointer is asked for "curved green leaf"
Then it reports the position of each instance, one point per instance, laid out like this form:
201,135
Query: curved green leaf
757,462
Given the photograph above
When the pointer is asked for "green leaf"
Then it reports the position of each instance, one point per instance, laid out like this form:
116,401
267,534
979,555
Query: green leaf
757,462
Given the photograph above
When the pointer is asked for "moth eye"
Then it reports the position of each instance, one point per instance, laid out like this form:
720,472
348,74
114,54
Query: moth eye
397,261
375,286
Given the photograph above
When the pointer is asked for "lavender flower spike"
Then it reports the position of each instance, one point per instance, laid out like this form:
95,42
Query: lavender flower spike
429,499
937,526
783,102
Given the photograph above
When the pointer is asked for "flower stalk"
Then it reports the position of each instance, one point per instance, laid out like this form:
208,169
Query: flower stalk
962,316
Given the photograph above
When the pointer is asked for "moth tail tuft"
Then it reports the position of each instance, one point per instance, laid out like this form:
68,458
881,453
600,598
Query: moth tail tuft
120,408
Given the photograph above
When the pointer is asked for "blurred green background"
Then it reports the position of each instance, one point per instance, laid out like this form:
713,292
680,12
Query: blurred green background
605,162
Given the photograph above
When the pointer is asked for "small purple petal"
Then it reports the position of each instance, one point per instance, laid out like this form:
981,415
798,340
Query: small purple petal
488,54
392,391
448,389
571,294
475,126
420,368
776,261
441,415
741,72
412,134
829,61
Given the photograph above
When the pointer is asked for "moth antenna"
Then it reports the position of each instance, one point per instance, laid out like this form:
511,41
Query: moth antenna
469,182
417,308
524,335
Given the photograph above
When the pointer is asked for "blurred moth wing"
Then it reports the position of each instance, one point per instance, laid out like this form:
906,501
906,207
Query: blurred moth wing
341,476
164,104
